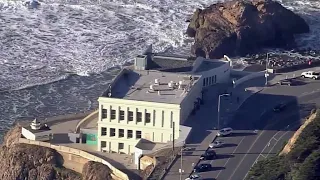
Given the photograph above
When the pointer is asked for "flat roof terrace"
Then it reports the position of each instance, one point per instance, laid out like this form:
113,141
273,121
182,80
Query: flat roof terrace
153,86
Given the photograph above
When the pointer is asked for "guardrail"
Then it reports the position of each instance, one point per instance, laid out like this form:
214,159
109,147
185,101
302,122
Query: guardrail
77,152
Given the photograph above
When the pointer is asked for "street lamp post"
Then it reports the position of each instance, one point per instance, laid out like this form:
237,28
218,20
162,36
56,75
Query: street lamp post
181,153
266,73
221,95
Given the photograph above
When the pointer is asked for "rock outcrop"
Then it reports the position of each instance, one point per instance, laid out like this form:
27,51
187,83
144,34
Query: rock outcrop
32,162
96,171
29,162
241,27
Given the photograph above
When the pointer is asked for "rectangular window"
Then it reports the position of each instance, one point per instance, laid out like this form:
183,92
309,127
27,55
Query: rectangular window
162,120
103,131
210,80
130,134
103,144
130,116
112,132
138,134
104,113
121,146
207,81
204,82
121,133
121,115
215,78
113,114
139,117
148,117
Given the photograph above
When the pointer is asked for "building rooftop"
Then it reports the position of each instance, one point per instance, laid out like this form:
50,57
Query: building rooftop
42,129
209,64
142,86
171,63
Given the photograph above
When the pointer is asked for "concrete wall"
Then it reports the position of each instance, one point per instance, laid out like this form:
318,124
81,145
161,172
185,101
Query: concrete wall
220,74
187,104
76,157
248,77
27,134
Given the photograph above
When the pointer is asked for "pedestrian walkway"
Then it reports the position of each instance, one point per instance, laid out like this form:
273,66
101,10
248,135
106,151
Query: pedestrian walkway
204,125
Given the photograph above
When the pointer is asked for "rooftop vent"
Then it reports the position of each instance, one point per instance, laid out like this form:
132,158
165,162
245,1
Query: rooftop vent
159,93
156,81
151,87
170,84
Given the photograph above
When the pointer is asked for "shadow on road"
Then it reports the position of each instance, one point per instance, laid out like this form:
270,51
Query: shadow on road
256,113
229,145
224,156
235,134
217,168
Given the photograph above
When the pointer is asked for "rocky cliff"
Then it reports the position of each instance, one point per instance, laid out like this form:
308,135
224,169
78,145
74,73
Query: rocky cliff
31,162
241,27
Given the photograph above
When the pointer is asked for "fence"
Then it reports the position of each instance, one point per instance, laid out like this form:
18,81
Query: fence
77,152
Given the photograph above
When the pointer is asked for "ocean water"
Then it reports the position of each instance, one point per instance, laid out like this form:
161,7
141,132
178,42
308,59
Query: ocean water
59,58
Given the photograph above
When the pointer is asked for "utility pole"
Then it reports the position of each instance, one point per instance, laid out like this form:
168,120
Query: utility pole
221,95
266,73
181,170
173,124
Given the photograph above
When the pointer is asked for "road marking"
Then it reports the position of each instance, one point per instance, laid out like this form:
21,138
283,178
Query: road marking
281,138
277,140
230,157
246,154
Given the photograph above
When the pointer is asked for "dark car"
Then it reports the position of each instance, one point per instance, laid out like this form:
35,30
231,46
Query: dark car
287,82
202,168
279,107
208,155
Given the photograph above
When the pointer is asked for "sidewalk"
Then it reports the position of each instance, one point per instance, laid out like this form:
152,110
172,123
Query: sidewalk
204,122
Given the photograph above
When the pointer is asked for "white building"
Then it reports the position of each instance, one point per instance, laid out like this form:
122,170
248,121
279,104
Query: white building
151,101
37,132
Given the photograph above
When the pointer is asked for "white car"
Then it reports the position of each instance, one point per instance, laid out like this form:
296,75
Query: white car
193,176
216,144
224,132
310,74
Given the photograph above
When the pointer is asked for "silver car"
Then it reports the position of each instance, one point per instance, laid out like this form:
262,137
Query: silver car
193,176
224,132
216,144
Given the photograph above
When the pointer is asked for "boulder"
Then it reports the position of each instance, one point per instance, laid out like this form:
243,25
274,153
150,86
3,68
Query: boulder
241,27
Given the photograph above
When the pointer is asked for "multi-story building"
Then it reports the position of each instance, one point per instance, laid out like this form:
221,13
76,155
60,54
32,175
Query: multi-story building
151,100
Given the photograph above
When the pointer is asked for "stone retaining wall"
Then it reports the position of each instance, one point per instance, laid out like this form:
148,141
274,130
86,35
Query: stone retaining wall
75,154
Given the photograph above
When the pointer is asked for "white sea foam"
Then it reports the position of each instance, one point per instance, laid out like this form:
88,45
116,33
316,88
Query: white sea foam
63,36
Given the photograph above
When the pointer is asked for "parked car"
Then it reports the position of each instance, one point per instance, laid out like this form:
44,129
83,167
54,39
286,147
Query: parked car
224,131
287,82
208,155
279,107
310,74
216,144
193,176
202,168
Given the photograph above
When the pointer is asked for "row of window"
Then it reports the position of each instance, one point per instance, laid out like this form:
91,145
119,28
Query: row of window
210,80
130,115
104,145
104,114
112,133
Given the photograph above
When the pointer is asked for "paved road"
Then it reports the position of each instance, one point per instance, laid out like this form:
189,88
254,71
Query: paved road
253,139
